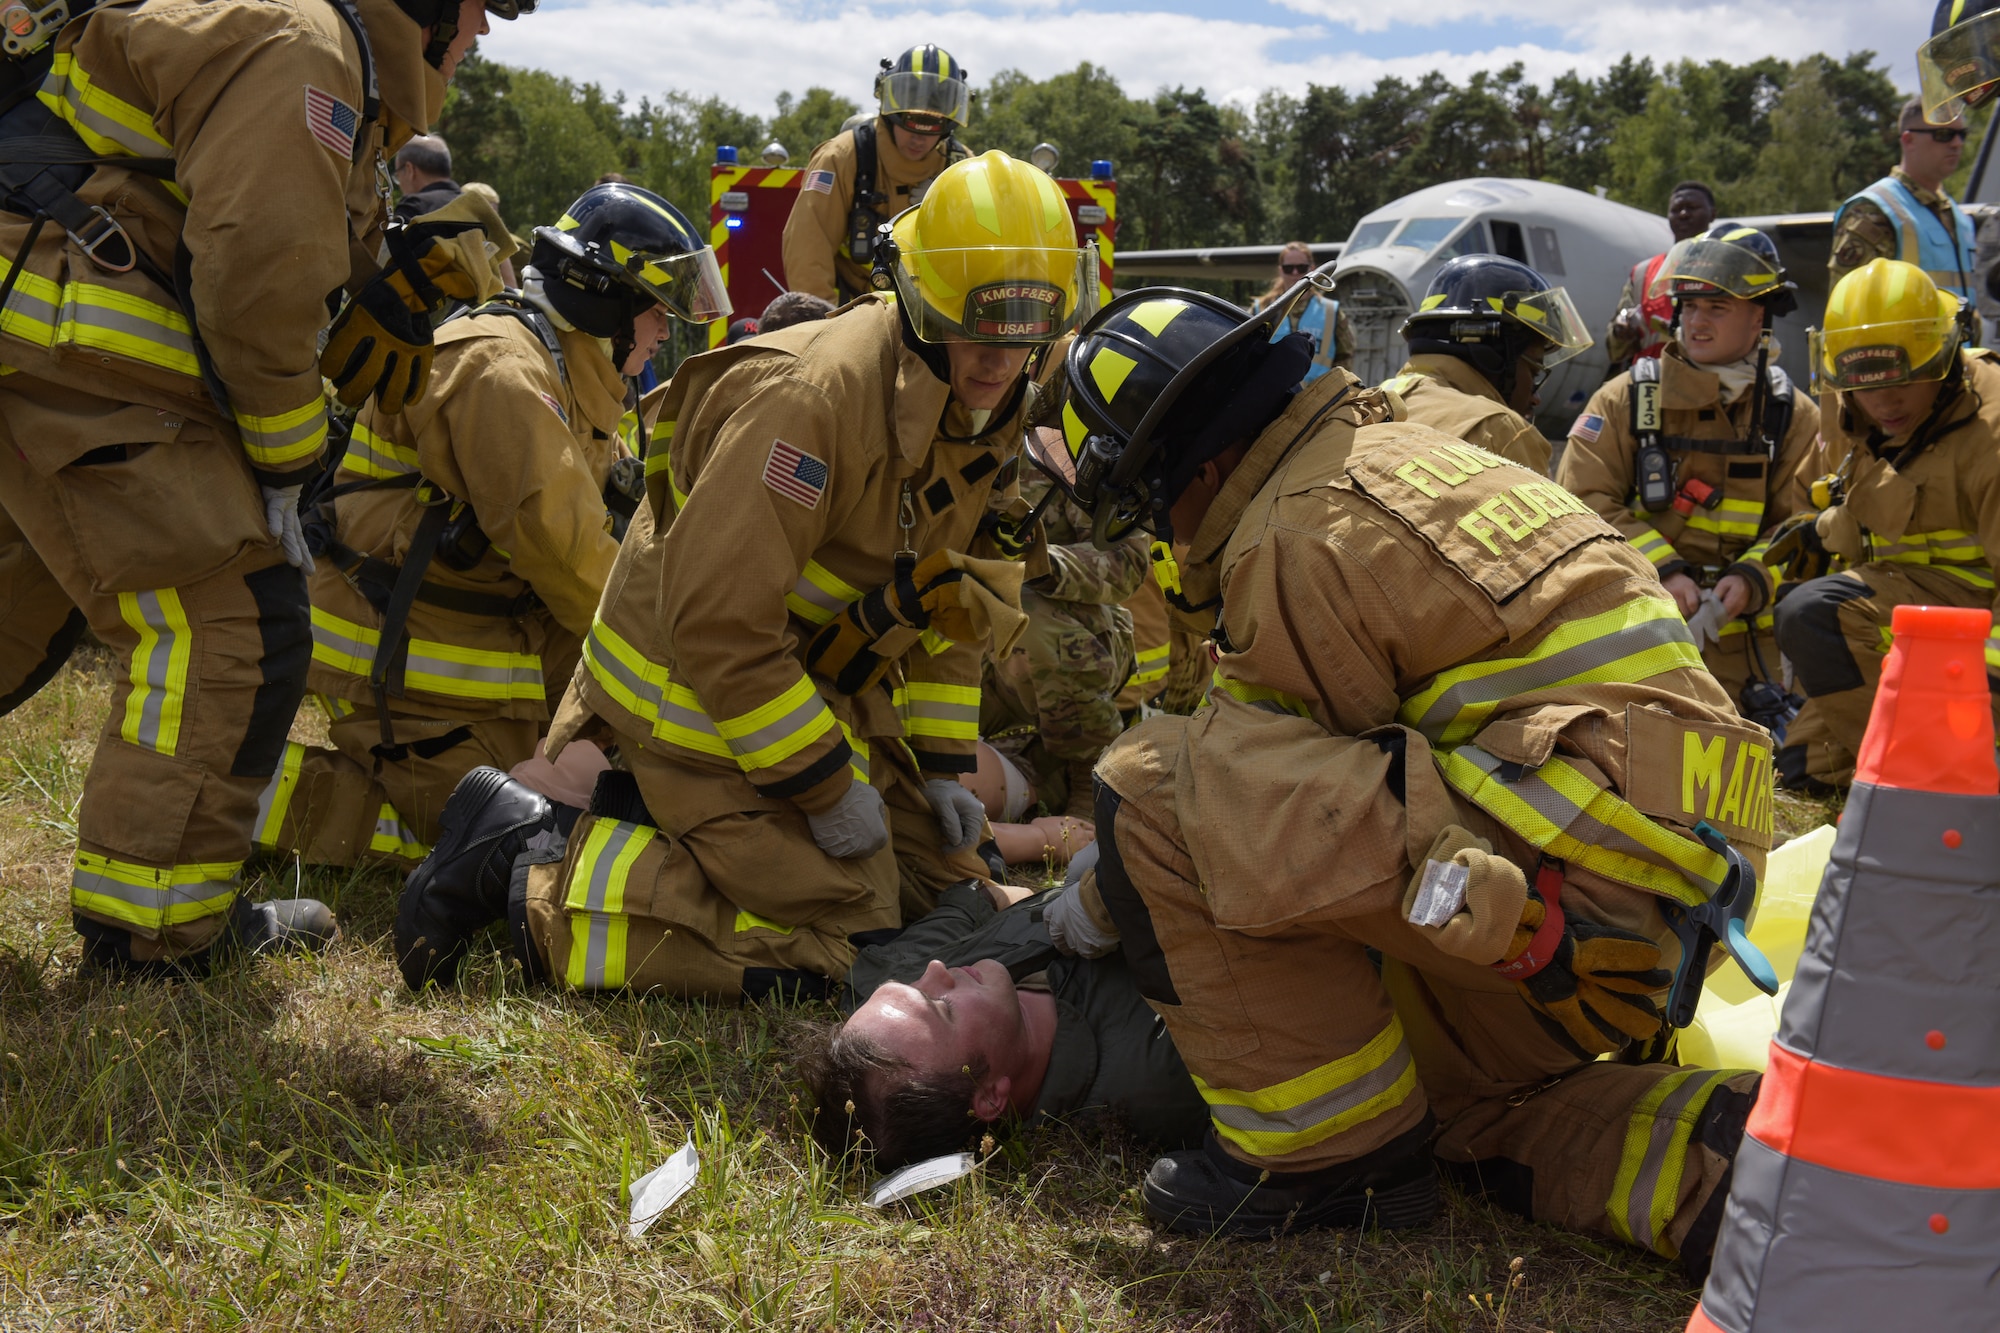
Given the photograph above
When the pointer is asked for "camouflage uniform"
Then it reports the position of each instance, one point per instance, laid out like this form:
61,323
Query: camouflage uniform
1062,680
1865,232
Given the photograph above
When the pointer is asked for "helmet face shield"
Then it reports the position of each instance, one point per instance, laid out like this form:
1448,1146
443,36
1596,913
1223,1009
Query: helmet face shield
906,92
689,284
996,294
1959,67
1551,314
1706,266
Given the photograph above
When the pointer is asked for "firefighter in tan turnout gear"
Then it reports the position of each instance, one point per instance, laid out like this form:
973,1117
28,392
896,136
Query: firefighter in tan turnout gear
862,177
470,534
1692,455
1486,334
1908,479
161,319
1456,721
788,652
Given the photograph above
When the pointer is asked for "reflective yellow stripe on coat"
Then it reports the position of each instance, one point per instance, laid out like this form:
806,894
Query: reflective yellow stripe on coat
758,739
934,711
1316,1105
1630,643
87,315
436,668
1150,664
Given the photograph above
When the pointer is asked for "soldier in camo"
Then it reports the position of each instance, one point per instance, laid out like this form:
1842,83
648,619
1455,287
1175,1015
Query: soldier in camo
1061,682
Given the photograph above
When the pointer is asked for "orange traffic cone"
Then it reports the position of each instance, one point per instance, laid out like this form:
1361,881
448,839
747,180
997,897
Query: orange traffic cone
1866,1192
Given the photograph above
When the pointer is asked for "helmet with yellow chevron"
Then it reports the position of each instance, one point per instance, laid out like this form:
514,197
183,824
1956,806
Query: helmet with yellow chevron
926,86
990,255
1886,324
1959,67
1729,259
1161,381
617,251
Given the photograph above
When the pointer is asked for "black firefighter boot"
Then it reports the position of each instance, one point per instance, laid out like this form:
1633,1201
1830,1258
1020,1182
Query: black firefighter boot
461,887
301,925
1719,1129
1203,1191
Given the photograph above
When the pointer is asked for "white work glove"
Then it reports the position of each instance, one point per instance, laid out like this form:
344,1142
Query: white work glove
1072,929
960,816
281,515
1707,622
854,827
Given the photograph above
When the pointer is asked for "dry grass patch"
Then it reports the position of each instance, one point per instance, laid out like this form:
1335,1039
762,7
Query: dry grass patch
301,1145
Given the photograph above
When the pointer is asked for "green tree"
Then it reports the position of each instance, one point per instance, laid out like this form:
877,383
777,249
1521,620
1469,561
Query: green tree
1798,164
1701,122
537,139
805,123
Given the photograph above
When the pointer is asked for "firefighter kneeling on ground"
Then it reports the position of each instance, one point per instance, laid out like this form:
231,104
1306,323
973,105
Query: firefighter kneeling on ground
464,543
787,656
1458,725
1487,334
1692,456
1908,481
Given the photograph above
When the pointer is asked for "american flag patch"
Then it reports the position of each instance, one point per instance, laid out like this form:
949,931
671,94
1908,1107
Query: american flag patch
821,181
556,408
331,121
1587,428
794,474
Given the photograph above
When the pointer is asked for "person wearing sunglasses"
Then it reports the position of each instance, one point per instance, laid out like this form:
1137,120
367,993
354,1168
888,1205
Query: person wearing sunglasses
1907,216
864,176
1484,338
1319,319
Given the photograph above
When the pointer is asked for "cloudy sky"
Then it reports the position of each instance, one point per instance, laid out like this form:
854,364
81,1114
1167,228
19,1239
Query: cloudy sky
747,50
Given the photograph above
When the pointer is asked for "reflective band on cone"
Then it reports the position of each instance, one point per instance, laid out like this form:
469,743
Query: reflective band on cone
1866,1191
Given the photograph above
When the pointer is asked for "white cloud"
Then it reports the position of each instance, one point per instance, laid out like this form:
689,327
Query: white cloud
749,50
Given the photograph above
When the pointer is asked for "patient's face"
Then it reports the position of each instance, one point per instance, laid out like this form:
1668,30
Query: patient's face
951,1018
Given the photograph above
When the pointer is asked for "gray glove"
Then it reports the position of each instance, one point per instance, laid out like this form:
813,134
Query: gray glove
1082,861
1705,625
281,515
854,827
960,816
1071,928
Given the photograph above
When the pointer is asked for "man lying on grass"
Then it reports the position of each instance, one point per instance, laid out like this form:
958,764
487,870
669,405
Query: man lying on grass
970,1017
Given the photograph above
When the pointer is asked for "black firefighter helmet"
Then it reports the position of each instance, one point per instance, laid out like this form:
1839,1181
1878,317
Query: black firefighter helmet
1162,380
619,250
441,17
1489,311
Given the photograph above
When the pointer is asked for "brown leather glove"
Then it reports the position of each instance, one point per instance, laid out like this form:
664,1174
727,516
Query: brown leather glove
1597,990
380,342
855,648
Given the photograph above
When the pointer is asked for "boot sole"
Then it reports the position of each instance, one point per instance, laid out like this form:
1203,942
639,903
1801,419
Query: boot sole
1413,1203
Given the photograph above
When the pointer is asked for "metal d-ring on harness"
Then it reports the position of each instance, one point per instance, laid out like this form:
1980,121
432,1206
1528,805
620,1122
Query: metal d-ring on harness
44,162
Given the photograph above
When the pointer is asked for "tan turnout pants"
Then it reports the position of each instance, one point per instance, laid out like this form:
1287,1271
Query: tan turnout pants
351,803
1310,1054
729,881
153,528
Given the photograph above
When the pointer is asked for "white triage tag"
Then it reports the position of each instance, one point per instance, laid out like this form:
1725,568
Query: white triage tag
1441,893
660,1188
921,1176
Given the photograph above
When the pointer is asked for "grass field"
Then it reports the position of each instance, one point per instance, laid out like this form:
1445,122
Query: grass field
301,1145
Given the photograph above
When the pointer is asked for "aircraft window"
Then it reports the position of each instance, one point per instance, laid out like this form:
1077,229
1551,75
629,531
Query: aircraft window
1507,240
1425,233
1471,241
1369,235
1548,254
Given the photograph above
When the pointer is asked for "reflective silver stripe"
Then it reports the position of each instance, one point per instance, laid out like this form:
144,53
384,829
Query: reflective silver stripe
604,657
1548,671
331,639
1320,1109
158,680
421,663
943,711
1594,838
1667,1135
22,306
598,892
78,111
779,729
